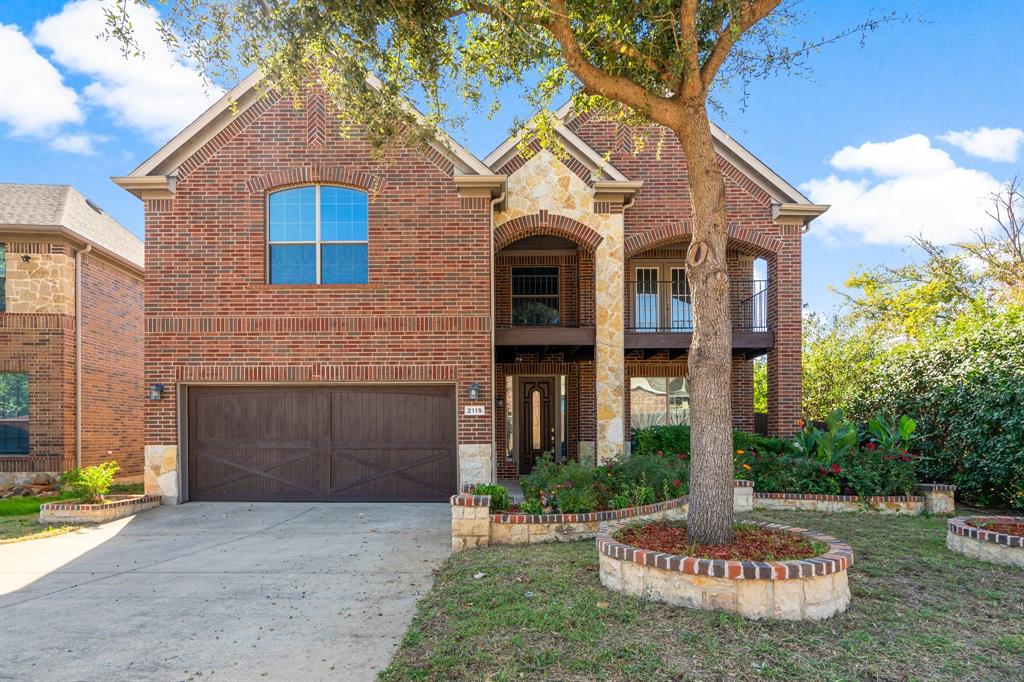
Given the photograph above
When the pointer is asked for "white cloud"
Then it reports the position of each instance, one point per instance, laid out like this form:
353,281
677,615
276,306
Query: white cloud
74,144
158,94
994,144
908,187
33,98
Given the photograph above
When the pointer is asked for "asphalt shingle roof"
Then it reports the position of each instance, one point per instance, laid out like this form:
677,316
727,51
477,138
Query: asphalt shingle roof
63,206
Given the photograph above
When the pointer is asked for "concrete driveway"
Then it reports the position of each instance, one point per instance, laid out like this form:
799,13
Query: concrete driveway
220,591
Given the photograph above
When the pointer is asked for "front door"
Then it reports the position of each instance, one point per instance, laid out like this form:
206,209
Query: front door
538,411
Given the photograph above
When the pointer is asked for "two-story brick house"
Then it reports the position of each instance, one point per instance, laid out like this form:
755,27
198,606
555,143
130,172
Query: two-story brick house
322,324
70,335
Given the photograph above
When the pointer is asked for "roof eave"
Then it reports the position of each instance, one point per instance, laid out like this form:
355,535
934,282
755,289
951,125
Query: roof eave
76,238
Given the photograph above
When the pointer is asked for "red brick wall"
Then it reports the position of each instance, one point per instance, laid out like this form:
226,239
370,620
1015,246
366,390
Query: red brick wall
210,316
43,346
659,218
112,376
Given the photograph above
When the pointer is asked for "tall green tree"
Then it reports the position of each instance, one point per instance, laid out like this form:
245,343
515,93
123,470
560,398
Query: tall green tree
642,62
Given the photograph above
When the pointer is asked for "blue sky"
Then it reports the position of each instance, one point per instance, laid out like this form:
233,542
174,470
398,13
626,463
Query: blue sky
906,133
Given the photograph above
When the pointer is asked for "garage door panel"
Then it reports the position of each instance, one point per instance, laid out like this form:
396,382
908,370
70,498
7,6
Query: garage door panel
414,474
322,443
257,474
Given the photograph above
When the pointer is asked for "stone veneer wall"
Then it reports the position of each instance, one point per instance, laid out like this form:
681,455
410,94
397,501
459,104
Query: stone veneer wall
963,537
810,589
43,284
544,183
160,473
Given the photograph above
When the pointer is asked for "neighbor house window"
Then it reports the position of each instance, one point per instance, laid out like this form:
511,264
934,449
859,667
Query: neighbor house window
535,296
656,401
318,235
13,413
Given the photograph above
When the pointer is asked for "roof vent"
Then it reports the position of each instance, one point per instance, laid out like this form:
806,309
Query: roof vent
93,206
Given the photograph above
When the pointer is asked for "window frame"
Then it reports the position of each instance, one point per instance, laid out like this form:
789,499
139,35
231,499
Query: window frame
513,296
667,403
317,243
27,417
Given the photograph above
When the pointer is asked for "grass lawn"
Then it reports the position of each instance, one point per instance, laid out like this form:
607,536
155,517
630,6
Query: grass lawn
19,516
918,612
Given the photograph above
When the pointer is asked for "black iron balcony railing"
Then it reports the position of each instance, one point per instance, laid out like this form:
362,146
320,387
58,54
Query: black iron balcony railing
666,306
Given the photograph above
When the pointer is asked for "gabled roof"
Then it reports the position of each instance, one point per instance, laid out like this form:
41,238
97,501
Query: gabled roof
154,178
782,193
62,209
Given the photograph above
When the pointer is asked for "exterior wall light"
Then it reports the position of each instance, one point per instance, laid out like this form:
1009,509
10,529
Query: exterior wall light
474,391
156,391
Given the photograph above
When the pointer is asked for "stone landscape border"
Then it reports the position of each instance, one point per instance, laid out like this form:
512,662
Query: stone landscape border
474,526
114,507
807,589
963,537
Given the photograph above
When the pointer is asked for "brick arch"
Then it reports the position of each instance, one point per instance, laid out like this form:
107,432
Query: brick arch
544,223
762,245
316,174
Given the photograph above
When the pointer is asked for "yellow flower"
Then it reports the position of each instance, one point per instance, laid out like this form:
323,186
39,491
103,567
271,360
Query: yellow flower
747,467
739,452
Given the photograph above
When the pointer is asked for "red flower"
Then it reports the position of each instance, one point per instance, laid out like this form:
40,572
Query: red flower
824,473
872,447
836,469
676,483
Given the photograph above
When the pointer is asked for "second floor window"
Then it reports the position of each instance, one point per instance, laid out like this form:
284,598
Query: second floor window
318,235
535,296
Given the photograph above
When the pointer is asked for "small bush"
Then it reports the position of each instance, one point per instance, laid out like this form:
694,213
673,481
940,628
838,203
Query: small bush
500,500
91,483
531,507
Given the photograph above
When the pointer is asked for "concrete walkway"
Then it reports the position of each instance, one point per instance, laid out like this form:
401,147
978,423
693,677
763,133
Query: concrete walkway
220,591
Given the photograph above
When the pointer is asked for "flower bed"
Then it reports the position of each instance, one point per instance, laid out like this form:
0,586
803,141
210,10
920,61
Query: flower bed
996,539
112,508
804,589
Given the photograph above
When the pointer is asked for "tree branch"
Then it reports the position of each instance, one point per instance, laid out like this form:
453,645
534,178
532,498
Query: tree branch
753,12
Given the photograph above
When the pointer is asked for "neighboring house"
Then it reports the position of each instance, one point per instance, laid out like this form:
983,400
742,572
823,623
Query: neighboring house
325,325
71,381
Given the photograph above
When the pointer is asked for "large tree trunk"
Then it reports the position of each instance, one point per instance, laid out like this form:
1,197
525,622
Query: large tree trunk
710,518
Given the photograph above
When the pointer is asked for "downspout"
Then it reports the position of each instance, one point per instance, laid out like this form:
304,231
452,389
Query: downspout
78,353
494,372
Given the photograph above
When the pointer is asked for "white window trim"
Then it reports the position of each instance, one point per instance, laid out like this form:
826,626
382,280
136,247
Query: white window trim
318,243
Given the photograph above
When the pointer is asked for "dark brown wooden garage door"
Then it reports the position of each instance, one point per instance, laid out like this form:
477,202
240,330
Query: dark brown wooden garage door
351,443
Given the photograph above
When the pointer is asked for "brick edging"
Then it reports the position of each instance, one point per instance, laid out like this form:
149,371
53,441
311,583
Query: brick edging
839,557
837,498
961,525
936,487
112,504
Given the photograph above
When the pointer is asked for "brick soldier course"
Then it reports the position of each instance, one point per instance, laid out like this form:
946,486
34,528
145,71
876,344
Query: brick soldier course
446,232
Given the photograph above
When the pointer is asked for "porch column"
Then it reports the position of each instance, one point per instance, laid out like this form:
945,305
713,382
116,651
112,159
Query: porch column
785,381
609,359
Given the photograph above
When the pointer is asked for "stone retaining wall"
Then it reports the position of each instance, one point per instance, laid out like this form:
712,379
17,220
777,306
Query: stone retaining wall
912,506
963,537
474,526
115,507
810,589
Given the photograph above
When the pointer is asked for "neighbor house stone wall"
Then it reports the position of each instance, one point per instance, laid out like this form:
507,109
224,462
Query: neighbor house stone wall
45,283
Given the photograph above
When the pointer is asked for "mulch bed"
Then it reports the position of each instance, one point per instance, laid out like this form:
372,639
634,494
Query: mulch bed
750,543
1007,528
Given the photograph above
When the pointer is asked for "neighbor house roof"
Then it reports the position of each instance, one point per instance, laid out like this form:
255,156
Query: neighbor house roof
155,177
62,209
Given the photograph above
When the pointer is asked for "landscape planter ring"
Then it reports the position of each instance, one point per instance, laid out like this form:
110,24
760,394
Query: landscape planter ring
114,507
964,537
805,589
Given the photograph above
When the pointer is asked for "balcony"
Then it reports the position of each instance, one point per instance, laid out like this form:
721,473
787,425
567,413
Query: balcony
659,317
541,319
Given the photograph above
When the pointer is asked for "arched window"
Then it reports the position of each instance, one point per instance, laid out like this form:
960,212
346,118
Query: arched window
317,235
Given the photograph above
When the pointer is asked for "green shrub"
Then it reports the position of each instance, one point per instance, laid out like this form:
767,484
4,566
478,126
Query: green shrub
90,484
499,496
531,507
965,391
